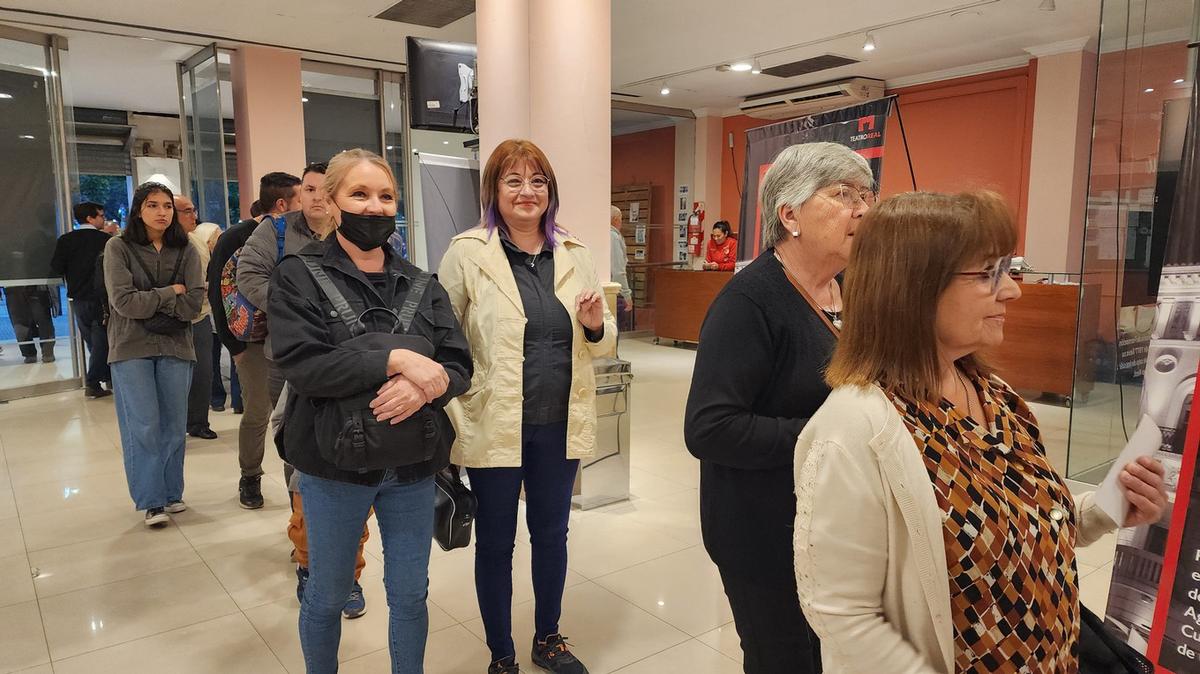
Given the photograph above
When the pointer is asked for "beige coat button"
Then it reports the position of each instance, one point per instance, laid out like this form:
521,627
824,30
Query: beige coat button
1057,514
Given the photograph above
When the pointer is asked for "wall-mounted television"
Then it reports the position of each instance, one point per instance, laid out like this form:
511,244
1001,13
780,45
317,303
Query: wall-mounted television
441,85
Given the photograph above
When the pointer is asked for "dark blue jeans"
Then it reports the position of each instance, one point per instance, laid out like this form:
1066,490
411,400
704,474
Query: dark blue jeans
548,477
89,316
218,383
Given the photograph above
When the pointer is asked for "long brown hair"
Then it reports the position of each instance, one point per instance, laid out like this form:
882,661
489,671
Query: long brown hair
507,155
906,253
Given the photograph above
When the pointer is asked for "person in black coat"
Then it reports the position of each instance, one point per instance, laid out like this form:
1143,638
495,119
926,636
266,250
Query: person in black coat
74,259
408,380
758,378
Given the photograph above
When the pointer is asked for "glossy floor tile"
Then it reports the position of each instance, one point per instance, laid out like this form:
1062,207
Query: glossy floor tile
85,588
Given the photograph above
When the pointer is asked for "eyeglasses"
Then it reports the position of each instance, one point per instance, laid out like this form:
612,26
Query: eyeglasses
536,183
993,275
187,211
853,197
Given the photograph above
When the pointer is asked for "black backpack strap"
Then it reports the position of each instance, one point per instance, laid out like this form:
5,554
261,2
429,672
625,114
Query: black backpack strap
140,262
178,264
331,292
413,301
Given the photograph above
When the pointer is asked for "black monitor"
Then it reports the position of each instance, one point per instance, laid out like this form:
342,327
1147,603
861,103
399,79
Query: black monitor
441,85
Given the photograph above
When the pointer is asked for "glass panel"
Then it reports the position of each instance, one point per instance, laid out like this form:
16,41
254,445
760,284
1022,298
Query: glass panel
37,343
341,110
205,143
1142,88
394,152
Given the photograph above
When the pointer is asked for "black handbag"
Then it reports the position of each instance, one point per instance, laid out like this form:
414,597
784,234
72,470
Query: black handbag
454,509
348,435
160,323
1101,653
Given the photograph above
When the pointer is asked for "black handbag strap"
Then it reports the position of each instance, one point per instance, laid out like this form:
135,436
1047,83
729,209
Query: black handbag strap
146,268
407,312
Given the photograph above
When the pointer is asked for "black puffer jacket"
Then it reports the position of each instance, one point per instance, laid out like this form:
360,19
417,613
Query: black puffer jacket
306,333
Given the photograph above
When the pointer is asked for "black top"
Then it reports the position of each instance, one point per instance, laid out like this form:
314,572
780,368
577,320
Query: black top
307,332
75,260
548,336
759,372
230,242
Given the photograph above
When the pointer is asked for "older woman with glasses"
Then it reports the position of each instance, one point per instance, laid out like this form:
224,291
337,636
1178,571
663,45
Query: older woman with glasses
933,535
531,306
780,316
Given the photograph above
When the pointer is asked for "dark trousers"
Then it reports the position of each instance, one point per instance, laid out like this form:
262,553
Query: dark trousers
200,393
548,477
89,317
748,518
29,311
218,382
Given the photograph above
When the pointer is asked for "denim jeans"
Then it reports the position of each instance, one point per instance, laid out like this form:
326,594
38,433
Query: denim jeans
151,401
89,318
548,477
218,383
200,391
335,513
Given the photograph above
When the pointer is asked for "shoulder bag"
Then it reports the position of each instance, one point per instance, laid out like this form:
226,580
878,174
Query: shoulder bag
161,323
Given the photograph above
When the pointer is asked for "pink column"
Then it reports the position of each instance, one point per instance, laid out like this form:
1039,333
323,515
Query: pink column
545,74
269,116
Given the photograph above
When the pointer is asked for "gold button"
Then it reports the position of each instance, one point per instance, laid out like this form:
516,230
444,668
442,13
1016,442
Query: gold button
1057,514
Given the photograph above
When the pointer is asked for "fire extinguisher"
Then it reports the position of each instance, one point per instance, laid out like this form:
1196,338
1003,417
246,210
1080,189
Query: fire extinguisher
695,228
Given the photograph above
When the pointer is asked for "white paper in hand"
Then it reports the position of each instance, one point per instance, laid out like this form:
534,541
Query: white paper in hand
1110,497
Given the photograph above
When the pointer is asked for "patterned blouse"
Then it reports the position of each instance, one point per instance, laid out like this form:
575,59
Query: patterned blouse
1009,533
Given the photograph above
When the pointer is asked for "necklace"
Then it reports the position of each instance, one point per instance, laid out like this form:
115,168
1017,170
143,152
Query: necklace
966,393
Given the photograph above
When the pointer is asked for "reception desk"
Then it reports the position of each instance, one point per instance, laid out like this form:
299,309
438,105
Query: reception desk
1038,353
681,300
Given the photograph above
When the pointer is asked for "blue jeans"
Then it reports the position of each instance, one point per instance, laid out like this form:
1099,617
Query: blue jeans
218,383
151,401
548,477
335,513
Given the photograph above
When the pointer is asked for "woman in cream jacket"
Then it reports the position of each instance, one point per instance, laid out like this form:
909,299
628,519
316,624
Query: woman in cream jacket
529,302
932,533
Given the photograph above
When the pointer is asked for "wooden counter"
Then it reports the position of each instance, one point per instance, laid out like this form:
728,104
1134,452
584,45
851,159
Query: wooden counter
1038,353
681,300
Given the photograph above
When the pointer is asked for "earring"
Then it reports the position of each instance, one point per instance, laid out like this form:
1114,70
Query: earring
796,234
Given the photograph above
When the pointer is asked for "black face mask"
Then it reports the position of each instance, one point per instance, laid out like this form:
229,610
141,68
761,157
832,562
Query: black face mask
368,232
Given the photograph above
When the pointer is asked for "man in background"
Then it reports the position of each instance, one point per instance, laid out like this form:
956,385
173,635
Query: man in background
74,259
202,334
618,261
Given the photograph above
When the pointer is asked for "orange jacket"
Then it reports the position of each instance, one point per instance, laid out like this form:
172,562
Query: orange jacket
724,253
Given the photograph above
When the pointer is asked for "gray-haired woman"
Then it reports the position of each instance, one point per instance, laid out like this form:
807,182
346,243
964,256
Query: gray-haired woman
758,379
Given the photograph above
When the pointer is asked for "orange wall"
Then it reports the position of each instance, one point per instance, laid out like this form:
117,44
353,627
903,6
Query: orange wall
649,157
971,132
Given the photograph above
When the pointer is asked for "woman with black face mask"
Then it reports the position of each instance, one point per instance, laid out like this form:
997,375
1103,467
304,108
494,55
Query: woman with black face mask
372,353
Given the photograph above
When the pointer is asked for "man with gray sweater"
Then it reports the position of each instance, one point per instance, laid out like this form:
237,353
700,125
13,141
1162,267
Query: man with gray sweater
278,193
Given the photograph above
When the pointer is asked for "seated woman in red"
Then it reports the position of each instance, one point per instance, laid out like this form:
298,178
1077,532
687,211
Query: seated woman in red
722,248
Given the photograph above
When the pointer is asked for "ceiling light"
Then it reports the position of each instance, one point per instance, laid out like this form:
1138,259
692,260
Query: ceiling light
303,99
445,142
740,67
869,44
1178,81
7,96
665,91
1149,90
1047,6
25,137
391,147
757,69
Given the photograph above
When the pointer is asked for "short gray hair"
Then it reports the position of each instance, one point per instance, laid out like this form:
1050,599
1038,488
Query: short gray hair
796,175
615,214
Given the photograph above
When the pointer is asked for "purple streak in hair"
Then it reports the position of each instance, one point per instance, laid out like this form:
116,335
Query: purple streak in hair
492,219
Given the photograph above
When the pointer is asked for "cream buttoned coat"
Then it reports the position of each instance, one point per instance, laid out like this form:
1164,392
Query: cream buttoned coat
487,419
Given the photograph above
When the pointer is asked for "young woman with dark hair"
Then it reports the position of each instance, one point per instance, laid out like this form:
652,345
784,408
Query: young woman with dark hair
155,287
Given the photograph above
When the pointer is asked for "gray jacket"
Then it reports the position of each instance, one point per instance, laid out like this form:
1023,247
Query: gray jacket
123,280
260,254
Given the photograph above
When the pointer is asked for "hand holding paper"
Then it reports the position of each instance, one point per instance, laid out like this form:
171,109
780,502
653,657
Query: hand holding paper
1132,493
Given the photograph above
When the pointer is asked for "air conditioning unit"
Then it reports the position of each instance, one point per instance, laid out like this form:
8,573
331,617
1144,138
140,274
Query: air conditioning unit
810,100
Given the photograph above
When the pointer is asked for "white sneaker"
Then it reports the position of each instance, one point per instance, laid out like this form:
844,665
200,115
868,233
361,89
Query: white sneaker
176,507
156,517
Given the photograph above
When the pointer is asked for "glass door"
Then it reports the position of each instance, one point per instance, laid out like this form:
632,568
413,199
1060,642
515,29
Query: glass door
38,350
203,133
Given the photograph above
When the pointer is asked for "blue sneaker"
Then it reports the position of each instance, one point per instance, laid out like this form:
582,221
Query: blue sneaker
356,605
301,582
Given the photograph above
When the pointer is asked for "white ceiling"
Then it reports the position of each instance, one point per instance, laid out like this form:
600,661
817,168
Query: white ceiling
652,40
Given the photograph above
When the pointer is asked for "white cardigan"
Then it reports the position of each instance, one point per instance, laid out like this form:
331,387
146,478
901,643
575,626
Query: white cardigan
870,555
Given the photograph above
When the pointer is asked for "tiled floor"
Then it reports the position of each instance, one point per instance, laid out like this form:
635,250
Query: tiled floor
84,588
